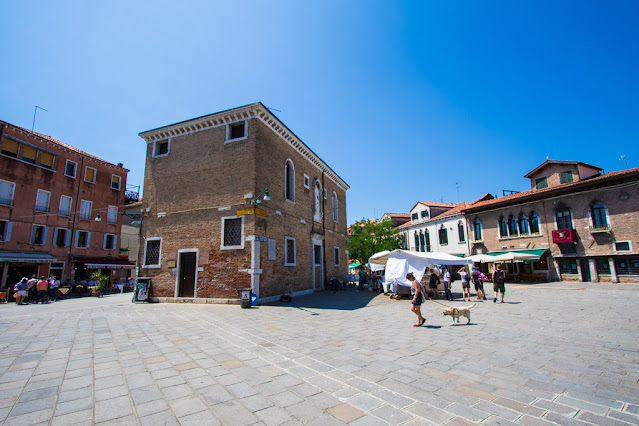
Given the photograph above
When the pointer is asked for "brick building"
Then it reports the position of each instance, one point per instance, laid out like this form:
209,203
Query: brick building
208,228
581,223
50,195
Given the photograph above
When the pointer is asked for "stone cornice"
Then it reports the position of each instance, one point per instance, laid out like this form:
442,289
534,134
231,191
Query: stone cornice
257,110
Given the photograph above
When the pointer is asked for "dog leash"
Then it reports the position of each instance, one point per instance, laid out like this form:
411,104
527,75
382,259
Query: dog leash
433,300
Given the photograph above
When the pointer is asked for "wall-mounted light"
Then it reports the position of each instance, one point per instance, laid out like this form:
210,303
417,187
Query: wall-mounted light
255,201
97,217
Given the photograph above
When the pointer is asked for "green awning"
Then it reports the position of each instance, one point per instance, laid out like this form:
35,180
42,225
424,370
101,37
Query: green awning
354,265
535,252
459,255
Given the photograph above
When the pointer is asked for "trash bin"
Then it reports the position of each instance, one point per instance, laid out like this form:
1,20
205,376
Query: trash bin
245,297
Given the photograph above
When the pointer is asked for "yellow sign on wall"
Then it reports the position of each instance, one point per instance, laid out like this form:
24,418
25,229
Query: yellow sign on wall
251,210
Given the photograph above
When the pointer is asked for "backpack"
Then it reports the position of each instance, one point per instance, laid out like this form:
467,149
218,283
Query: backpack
16,287
452,278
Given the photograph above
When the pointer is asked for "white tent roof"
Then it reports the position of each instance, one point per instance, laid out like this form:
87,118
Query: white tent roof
481,258
510,256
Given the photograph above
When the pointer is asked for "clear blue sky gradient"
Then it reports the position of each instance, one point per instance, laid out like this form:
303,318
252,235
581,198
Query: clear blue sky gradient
406,100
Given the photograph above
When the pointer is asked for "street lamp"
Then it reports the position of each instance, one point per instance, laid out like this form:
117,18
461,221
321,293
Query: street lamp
255,201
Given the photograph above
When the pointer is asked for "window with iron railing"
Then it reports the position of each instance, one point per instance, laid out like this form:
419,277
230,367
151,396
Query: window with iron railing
42,201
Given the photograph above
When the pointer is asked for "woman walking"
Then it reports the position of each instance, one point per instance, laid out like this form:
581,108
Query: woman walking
418,298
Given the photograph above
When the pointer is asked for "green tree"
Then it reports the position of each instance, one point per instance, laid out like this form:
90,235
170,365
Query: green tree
370,237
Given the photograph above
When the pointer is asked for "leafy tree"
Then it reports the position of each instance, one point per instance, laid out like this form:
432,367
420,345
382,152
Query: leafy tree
370,237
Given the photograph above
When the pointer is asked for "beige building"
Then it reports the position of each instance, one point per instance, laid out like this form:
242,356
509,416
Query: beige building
581,223
236,200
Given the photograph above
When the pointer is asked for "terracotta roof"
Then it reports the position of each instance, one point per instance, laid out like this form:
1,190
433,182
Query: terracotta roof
62,144
399,215
432,204
452,212
545,163
570,187
484,197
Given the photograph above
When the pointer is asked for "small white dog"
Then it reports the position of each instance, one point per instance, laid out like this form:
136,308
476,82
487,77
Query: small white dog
455,313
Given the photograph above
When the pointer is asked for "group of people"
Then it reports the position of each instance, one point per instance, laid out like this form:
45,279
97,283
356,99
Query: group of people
476,277
36,291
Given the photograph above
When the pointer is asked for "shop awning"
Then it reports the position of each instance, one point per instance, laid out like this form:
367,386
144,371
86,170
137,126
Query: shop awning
354,265
26,257
533,252
106,263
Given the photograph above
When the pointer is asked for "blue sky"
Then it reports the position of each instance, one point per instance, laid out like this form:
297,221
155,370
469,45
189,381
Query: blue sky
406,100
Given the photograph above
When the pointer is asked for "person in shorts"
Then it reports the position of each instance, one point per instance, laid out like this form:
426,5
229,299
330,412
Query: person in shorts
21,291
499,278
433,283
418,298
465,280
479,284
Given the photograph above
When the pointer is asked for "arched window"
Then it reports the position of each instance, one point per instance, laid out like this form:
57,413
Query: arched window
564,218
477,226
534,223
427,238
443,235
289,181
512,226
422,242
599,215
503,227
335,211
416,241
317,201
524,227
460,232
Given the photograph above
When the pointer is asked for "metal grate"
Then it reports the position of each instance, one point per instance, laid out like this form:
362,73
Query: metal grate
152,252
232,232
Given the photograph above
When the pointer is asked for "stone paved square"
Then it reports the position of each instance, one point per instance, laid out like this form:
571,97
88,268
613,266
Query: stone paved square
553,353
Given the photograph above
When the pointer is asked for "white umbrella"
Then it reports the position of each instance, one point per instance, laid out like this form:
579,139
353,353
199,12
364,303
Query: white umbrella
481,258
513,255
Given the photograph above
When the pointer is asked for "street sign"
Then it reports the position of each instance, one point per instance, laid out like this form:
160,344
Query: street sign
251,210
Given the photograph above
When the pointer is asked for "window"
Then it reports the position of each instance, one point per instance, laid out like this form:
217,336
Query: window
534,223
29,154
317,202
512,226
289,181
109,241
564,218
236,131
424,214
568,266
416,241
46,160
232,233
565,177
335,208
542,264
65,206
422,242
524,228
70,168
7,190
414,216
39,234
152,252
325,194
336,255
427,238
503,227
603,266
289,244
307,181
89,174
271,249
85,210
61,237
443,236
112,215
541,183
477,229
115,182
10,147
622,246
82,239
627,266
161,148
598,213
42,201
5,230
460,231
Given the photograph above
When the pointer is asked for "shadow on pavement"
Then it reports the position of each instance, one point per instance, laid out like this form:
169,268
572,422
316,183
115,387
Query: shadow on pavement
341,300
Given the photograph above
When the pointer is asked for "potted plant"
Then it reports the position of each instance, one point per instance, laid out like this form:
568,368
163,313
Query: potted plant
99,280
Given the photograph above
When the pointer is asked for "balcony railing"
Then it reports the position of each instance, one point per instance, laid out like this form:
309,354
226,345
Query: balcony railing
6,201
42,208
65,213
85,216
604,229
564,236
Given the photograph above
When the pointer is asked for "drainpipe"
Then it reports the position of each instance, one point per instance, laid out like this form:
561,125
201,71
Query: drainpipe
324,229
75,209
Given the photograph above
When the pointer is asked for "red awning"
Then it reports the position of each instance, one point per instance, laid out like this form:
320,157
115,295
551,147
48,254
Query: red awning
106,263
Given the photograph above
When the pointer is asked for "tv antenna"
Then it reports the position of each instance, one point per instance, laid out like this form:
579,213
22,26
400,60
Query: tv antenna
623,157
34,115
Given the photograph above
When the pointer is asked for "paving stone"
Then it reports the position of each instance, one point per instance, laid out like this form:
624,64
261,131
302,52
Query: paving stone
286,398
151,407
599,420
84,417
256,402
112,409
577,403
233,412
273,416
187,405
366,403
215,394
391,414
305,411
198,419
164,418
32,418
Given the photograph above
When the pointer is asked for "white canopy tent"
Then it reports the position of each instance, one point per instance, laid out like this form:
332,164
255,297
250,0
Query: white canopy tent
398,263
512,256
481,258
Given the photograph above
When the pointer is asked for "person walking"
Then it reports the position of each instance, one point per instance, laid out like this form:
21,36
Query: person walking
418,298
465,280
433,283
447,290
54,283
499,278
41,286
32,289
479,284
21,291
